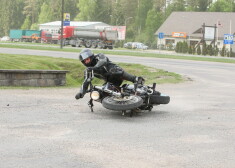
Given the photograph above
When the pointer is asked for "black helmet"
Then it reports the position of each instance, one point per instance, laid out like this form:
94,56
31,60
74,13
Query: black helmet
84,54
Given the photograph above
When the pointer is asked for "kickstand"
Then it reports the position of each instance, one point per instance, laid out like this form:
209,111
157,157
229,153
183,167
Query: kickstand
123,112
90,104
131,113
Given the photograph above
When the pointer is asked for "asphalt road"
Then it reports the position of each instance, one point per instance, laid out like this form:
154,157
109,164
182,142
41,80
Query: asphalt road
49,128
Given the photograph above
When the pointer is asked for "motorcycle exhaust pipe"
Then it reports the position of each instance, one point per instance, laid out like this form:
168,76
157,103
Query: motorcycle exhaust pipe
108,91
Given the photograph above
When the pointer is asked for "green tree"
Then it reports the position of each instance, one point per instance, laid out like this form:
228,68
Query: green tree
45,14
11,16
153,22
31,10
5,16
70,6
222,6
117,16
192,5
203,4
198,5
142,10
179,5
17,15
129,8
27,23
87,10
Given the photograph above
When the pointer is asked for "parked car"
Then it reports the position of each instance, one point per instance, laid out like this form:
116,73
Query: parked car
5,38
141,46
138,45
128,45
135,45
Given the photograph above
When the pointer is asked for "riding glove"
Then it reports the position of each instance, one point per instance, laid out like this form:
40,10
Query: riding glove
79,95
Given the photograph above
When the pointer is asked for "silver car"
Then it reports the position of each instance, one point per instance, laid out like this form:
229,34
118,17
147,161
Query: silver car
141,46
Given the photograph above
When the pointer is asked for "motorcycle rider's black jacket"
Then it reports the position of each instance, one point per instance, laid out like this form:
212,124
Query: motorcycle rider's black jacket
104,69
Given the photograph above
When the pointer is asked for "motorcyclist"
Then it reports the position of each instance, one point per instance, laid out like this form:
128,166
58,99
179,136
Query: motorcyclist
104,69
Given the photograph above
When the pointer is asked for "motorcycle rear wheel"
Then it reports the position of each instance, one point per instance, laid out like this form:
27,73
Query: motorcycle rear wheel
127,103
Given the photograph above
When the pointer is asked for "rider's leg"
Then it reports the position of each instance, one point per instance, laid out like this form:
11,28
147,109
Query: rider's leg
132,78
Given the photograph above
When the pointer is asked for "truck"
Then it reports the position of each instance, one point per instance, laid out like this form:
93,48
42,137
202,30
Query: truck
37,36
77,37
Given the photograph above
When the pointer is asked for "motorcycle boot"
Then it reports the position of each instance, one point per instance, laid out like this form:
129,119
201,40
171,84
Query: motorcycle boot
139,80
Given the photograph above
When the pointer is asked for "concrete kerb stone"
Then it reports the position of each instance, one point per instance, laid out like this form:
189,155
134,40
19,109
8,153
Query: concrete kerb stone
36,78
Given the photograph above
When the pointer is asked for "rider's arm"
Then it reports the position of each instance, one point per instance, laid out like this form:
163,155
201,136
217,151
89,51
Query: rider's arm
85,84
102,61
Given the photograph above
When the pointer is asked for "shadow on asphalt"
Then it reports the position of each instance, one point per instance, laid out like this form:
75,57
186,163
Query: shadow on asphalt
139,115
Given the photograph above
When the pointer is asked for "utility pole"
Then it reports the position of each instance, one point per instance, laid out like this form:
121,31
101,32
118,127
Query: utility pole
165,11
215,34
203,31
230,32
62,25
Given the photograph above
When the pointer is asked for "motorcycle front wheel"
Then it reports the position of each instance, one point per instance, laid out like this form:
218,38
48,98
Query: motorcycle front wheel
125,103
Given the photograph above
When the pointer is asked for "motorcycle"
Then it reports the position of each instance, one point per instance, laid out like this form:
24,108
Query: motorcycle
129,97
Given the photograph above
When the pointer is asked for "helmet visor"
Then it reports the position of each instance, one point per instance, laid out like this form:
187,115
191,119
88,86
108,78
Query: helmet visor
84,56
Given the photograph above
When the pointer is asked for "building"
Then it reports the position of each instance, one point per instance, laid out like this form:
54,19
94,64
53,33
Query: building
188,26
53,27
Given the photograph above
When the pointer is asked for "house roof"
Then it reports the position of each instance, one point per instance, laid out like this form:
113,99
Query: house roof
191,22
73,23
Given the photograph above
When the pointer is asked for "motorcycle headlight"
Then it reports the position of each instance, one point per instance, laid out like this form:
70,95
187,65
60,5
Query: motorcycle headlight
95,95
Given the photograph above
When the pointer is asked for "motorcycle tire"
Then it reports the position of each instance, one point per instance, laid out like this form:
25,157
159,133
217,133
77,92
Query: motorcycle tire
113,103
159,99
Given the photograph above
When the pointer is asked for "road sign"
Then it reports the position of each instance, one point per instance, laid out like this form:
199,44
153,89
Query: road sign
66,23
160,35
228,39
66,16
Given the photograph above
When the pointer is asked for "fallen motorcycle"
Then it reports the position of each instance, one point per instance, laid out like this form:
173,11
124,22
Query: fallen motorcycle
128,97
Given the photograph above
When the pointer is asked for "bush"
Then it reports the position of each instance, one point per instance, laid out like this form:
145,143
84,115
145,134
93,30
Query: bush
223,52
229,53
199,51
210,50
233,54
170,46
119,44
179,47
153,45
193,50
190,51
216,51
184,47
204,49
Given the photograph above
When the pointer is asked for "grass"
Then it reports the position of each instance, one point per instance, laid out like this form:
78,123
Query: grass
125,52
75,76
